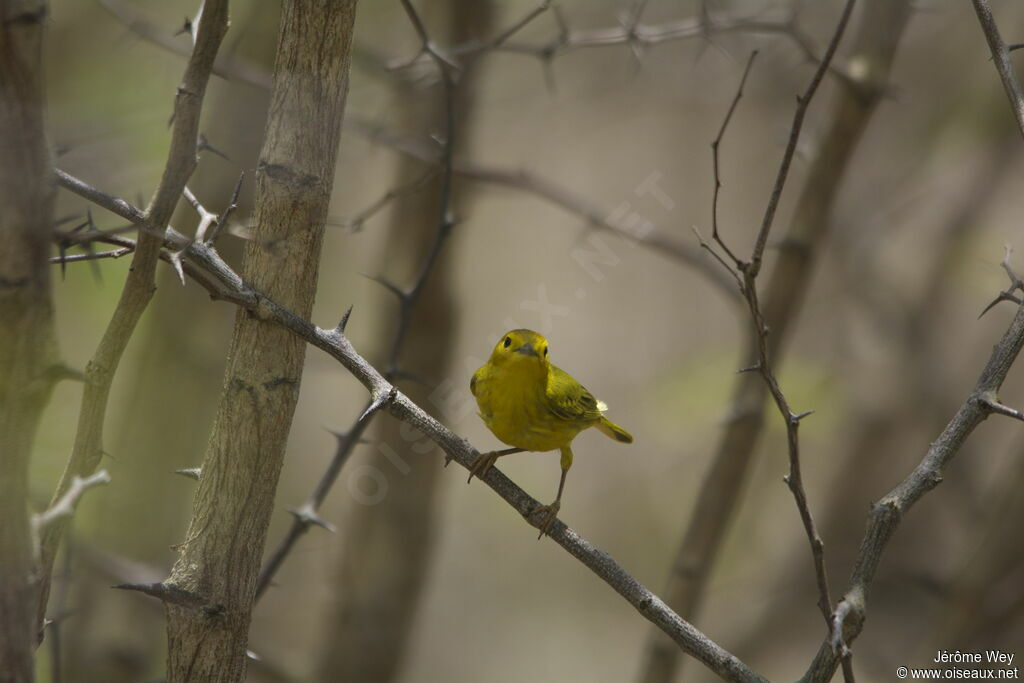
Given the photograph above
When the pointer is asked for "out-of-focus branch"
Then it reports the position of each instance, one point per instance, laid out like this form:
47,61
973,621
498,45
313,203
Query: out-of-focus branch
223,283
887,513
1001,57
549,190
140,284
226,66
873,47
636,34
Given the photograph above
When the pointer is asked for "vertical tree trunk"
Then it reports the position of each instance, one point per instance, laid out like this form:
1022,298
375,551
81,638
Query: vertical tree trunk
28,347
387,549
220,557
174,380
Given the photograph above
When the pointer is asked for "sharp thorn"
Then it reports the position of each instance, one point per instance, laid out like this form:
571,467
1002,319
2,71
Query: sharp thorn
176,259
342,436
378,403
191,473
308,515
340,329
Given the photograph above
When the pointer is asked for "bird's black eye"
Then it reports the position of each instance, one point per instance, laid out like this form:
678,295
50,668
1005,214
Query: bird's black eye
508,342
545,351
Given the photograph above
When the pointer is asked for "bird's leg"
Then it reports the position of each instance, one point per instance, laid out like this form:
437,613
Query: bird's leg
549,513
485,461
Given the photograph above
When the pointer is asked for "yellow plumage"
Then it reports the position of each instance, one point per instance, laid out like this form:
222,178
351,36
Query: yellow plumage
532,405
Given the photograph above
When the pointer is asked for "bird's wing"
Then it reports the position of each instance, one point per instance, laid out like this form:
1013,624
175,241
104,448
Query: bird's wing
473,380
570,400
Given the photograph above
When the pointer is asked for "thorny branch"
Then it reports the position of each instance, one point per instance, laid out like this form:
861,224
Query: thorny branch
549,190
1001,57
638,35
202,263
747,274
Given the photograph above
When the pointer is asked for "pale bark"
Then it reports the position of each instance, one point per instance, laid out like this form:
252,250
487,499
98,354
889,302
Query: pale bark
220,557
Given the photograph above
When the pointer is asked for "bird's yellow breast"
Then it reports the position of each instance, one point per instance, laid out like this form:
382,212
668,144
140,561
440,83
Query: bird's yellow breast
514,406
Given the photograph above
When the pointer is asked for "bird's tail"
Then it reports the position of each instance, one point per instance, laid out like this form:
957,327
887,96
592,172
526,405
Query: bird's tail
614,431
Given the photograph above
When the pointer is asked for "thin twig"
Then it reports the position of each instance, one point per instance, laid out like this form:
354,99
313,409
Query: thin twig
356,222
225,284
715,144
93,256
64,506
803,102
551,191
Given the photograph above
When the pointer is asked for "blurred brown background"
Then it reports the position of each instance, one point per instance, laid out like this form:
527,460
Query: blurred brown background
886,348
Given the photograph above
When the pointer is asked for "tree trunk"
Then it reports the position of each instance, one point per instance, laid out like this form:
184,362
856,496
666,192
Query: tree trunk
28,347
214,580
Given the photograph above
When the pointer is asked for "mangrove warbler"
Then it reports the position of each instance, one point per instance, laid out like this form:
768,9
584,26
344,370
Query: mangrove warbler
532,405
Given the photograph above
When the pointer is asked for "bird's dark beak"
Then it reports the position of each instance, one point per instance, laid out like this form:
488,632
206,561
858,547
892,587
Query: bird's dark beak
527,350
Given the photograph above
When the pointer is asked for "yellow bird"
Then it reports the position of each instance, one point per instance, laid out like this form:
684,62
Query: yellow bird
532,405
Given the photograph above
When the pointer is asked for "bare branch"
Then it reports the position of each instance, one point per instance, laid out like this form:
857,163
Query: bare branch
1001,57
715,234
803,102
550,191
64,507
356,222
92,256
226,66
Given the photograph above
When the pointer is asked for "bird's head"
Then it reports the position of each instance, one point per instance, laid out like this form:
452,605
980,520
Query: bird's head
525,348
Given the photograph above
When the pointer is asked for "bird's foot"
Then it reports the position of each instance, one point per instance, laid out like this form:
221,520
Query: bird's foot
545,516
482,465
